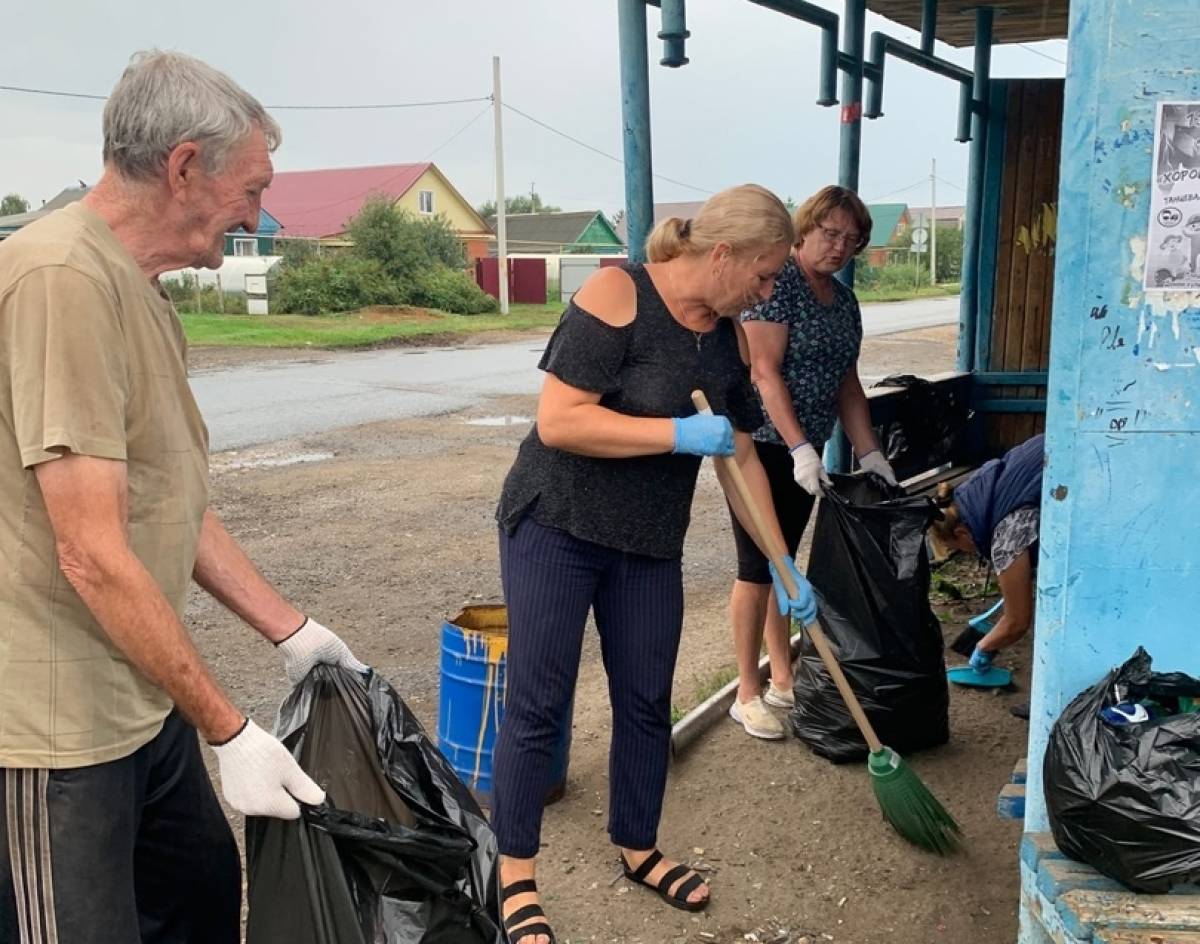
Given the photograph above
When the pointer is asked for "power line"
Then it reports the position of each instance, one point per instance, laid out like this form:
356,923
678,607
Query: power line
1044,55
919,183
445,101
353,107
596,150
36,91
457,133
951,183
307,211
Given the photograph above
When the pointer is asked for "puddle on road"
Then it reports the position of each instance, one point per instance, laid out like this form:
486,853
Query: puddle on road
499,421
274,462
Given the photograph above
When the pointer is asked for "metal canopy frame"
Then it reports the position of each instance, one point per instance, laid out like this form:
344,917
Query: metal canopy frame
1017,21
855,68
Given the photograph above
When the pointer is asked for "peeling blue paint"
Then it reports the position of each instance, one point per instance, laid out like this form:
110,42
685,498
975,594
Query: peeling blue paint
1119,564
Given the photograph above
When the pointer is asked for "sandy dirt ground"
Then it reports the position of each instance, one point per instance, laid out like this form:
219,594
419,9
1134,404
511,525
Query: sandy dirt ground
387,530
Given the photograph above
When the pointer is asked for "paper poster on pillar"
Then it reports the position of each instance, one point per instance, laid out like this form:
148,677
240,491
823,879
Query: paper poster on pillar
1173,241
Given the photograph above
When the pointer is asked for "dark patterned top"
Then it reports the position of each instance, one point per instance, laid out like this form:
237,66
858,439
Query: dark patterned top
650,367
1014,535
823,344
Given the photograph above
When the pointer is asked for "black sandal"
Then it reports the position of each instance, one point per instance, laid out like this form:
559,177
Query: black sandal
680,898
524,914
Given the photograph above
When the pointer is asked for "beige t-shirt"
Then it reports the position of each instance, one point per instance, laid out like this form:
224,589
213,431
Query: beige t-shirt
93,362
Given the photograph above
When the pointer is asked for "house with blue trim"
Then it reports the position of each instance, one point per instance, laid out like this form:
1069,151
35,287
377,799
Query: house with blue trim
259,243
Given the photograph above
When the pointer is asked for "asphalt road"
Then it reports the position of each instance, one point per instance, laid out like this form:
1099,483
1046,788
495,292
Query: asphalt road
264,403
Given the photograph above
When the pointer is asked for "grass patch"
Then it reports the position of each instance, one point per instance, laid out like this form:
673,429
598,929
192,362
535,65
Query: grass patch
907,294
705,690
715,682
368,328
381,326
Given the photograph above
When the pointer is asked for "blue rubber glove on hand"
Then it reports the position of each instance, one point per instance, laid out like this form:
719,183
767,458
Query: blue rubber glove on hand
981,661
703,435
803,606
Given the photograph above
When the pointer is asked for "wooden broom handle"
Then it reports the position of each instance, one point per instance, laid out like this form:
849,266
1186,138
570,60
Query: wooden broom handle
776,553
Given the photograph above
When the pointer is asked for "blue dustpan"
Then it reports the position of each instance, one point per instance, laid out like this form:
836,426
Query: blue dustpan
992,678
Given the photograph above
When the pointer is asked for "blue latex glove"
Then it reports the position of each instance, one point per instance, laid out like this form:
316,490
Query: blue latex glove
803,606
981,661
703,435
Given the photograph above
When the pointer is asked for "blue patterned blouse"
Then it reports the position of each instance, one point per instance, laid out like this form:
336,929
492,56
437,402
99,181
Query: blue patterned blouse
823,344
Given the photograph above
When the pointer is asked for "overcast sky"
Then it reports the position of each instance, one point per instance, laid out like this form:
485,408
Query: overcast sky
742,110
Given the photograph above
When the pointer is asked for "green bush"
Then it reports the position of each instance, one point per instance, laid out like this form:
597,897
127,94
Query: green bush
403,244
325,284
450,290
396,259
897,277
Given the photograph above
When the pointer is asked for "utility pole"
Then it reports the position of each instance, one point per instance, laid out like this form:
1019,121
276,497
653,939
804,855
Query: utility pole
933,222
501,226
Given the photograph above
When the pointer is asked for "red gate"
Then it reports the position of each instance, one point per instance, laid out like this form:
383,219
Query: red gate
526,279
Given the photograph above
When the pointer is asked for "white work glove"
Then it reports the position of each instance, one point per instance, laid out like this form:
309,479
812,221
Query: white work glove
312,644
874,462
259,777
806,467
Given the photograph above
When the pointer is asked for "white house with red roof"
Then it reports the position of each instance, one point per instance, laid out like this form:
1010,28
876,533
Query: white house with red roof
319,204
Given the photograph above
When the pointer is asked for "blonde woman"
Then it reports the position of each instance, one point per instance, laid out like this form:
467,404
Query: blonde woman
593,516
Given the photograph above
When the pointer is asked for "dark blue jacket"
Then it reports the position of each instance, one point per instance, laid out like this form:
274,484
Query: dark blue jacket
1000,487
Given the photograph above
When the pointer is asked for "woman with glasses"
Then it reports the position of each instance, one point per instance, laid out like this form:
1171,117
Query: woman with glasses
804,343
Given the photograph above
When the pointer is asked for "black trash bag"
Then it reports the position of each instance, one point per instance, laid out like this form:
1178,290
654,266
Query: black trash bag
398,853
1126,800
929,423
870,570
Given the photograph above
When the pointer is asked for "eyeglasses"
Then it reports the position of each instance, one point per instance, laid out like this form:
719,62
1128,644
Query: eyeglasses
836,237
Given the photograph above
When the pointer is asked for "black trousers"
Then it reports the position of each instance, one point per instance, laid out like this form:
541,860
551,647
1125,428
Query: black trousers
134,851
793,508
551,580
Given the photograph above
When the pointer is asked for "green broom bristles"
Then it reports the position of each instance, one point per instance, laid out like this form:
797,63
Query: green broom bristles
907,804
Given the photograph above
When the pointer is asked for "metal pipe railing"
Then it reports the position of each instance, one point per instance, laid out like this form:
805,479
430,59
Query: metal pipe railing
883,45
673,33
828,24
969,314
928,25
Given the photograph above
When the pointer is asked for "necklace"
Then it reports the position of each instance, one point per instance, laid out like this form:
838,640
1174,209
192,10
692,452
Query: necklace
698,335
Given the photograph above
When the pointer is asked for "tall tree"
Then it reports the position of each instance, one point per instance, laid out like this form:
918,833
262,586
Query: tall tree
12,204
521,203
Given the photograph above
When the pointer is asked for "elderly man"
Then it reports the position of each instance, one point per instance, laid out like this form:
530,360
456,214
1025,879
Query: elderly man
110,829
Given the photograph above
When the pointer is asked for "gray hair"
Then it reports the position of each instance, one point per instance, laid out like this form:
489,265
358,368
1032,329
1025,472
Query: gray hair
165,98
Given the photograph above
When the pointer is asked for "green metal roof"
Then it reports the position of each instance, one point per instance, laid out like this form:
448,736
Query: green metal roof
885,217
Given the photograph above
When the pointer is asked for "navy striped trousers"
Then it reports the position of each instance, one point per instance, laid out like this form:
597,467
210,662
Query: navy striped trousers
551,580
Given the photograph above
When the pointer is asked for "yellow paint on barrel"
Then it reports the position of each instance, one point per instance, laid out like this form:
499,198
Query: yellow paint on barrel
485,633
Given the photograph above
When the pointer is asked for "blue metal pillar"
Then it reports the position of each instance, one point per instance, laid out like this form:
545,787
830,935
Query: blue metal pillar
850,153
837,450
1120,562
969,312
635,119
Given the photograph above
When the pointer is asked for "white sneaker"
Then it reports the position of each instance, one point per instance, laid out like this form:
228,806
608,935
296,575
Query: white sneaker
756,718
779,697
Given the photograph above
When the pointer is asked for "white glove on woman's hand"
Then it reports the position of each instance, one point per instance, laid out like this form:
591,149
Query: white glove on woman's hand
312,644
806,467
259,777
874,462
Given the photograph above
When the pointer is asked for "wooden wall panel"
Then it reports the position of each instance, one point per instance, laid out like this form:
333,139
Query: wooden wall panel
1025,247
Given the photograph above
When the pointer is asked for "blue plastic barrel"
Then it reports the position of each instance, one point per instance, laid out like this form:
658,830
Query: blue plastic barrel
474,667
